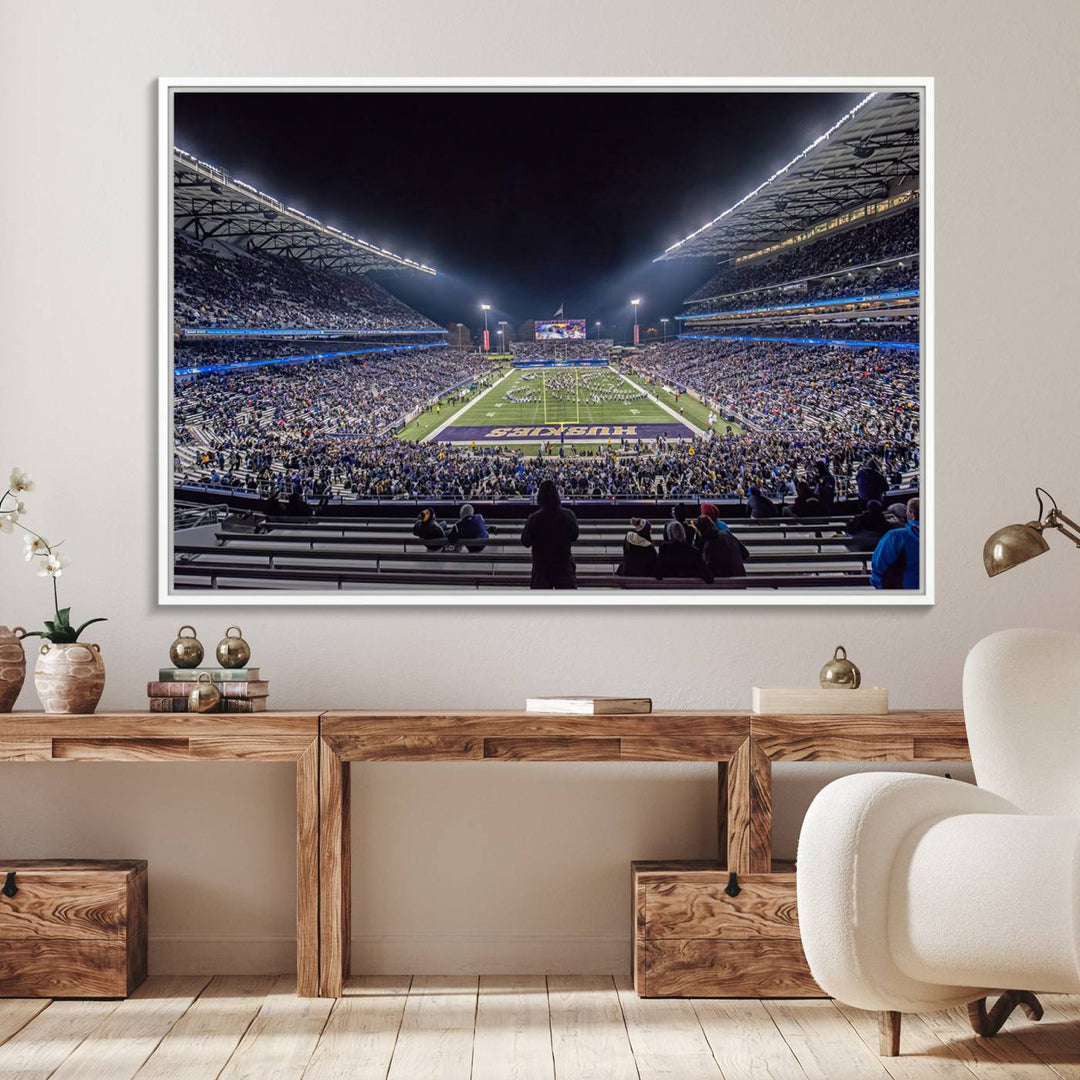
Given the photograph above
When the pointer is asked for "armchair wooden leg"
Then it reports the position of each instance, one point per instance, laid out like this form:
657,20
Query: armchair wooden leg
889,1033
988,1024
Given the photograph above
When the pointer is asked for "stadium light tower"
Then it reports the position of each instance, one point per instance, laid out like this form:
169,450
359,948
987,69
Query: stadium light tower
460,327
634,304
665,322
485,308
598,325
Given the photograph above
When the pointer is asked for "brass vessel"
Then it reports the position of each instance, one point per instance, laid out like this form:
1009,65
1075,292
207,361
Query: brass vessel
233,652
204,695
840,673
186,652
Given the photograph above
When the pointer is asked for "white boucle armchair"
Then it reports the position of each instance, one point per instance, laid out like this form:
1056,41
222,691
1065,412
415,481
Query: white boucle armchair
918,893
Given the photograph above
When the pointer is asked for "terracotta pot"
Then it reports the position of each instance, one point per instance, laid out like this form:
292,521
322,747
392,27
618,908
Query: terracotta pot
69,678
12,666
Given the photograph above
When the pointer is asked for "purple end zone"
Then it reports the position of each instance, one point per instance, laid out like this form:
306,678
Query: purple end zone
554,432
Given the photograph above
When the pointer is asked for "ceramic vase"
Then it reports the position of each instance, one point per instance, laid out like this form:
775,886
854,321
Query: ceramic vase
12,666
69,678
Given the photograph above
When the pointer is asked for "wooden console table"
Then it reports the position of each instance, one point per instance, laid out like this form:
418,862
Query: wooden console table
743,745
323,745
261,737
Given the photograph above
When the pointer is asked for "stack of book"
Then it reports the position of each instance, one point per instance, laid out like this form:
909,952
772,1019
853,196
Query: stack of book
241,689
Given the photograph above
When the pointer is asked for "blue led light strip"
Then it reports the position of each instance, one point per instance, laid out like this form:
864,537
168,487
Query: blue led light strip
905,345
240,365
224,331
809,304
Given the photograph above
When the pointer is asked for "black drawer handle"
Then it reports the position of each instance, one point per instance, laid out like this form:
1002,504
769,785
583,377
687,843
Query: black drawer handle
732,887
9,884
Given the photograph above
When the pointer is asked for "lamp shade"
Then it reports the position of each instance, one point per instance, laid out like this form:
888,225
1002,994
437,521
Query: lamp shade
1012,545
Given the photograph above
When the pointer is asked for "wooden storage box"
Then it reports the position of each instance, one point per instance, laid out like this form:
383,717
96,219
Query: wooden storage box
72,928
691,939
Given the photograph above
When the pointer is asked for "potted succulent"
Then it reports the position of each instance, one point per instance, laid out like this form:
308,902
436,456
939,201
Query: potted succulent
69,674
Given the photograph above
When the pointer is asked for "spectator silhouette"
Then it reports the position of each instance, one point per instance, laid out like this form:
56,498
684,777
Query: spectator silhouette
549,532
427,528
721,551
639,553
678,558
870,483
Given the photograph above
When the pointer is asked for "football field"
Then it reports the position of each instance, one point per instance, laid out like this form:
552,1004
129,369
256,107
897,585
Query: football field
575,404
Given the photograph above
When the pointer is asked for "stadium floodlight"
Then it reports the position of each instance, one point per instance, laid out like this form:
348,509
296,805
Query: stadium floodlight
485,308
664,322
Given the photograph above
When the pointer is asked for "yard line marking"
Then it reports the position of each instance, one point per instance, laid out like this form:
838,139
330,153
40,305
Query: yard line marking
468,405
682,419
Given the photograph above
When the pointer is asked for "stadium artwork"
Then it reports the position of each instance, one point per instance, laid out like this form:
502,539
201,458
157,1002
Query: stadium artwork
363,400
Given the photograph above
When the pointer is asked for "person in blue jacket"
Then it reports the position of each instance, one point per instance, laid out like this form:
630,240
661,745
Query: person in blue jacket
469,527
895,564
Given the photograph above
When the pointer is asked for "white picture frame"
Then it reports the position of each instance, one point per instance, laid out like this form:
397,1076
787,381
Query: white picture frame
169,595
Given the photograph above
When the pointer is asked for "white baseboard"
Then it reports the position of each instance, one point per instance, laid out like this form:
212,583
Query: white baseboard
430,954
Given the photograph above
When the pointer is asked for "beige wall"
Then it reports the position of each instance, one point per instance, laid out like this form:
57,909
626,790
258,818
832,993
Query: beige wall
494,867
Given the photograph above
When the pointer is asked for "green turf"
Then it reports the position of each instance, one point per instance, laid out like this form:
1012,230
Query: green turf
431,418
562,397
696,412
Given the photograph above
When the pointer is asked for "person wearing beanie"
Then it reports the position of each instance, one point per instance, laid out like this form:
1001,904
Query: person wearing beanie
470,526
427,528
550,532
639,553
678,558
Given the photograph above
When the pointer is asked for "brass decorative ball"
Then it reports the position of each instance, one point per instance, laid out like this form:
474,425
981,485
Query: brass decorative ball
840,673
186,652
233,652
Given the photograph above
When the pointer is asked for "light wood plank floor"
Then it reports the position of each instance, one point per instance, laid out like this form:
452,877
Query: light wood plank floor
524,1027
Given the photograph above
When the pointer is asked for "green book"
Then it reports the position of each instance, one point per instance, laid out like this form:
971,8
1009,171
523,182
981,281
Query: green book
217,674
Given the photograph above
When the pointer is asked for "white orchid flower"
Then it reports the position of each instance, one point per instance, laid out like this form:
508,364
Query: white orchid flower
20,481
53,566
34,545
7,521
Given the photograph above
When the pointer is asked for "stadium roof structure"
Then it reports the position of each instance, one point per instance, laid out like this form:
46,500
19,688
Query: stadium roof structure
870,153
208,203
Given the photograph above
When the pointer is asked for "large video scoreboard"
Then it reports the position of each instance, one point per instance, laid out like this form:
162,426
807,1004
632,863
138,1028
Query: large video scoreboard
560,330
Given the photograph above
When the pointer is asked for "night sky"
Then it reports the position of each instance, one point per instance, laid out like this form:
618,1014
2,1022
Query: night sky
525,199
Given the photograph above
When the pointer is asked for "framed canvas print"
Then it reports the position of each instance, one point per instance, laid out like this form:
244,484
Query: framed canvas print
548,341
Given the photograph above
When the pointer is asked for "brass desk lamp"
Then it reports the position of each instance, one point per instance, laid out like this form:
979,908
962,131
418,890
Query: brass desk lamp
1014,544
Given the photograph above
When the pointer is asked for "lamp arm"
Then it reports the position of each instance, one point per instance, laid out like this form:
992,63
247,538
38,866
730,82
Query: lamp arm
1059,521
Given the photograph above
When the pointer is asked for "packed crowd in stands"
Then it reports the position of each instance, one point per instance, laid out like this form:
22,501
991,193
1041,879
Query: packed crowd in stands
868,281
876,240
216,288
289,459
202,353
562,350
252,416
779,386
892,328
